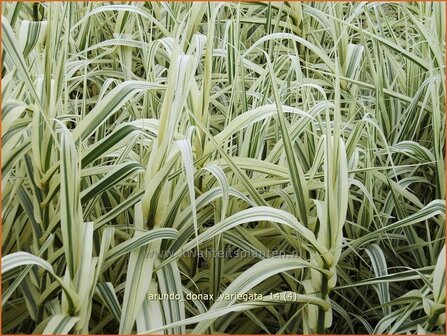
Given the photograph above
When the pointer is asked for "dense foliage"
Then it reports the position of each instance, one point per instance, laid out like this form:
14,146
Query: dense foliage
286,160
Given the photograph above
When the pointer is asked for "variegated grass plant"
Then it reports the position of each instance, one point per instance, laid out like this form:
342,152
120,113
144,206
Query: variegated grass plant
309,136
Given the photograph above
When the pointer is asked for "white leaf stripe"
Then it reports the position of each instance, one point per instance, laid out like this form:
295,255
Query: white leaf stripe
114,100
139,241
60,324
18,259
30,34
118,174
